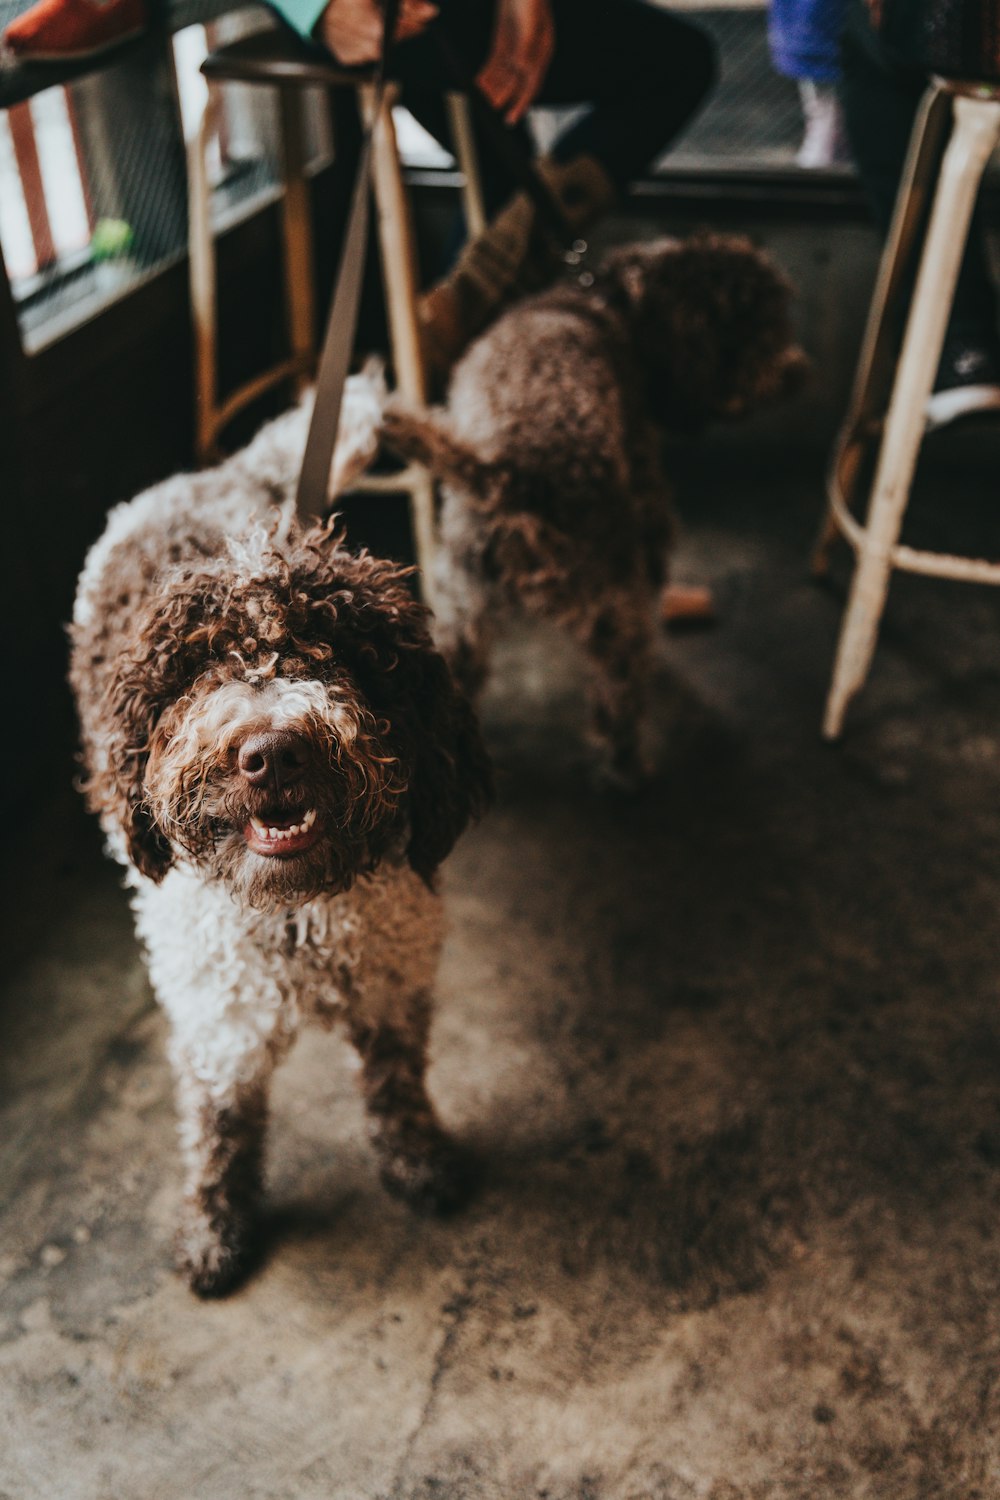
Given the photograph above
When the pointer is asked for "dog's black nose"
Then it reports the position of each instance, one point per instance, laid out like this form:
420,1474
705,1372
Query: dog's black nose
276,758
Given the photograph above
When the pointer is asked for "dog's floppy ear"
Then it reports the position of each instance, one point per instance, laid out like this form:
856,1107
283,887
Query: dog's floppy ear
165,653
450,779
131,707
379,631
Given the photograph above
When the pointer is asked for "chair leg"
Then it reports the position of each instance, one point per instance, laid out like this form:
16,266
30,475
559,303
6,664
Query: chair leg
202,284
398,253
975,133
464,138
296,225
880,338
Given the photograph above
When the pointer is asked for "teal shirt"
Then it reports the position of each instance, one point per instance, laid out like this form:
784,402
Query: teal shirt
301,14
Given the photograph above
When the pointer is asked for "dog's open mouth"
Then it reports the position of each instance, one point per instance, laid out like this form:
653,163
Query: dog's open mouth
281,834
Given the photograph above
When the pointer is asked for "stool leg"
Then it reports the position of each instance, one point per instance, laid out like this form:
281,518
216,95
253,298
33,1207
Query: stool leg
878,344
296,226
399,277
975,133
202,285
460,119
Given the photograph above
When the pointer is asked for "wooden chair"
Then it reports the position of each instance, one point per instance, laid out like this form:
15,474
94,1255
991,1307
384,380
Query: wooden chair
277,60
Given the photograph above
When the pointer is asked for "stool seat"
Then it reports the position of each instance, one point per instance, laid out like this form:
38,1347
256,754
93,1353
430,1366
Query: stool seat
274,56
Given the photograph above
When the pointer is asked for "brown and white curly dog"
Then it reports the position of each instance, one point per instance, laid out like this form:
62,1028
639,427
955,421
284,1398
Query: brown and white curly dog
281,759
550,453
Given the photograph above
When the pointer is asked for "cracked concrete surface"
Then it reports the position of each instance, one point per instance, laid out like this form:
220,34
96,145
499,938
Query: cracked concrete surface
729,1056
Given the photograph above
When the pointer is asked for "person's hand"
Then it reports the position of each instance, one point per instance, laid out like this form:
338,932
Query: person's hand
352,29
523,43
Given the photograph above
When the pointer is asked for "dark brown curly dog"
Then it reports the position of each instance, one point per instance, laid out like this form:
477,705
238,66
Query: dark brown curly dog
550,453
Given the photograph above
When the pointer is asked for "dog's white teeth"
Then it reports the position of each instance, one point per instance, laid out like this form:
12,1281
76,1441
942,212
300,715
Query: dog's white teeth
277,835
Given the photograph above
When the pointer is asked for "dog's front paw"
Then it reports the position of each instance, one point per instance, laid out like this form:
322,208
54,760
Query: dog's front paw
214,1254
433,1176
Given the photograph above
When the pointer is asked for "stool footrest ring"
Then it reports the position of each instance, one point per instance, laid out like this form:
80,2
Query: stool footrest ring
912,559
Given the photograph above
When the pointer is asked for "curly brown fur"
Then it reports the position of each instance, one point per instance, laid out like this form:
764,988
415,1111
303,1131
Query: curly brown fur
420,1163
282,758
399,757
550,453
215,1239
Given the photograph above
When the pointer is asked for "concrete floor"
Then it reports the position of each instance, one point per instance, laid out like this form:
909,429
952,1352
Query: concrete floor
729,1054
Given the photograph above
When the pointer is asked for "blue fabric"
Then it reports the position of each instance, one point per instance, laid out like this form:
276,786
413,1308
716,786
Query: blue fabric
805,38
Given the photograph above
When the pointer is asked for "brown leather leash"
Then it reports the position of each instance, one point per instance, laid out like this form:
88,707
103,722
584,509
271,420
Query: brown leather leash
311,496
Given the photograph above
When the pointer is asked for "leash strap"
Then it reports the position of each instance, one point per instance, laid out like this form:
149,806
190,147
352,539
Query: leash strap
338,342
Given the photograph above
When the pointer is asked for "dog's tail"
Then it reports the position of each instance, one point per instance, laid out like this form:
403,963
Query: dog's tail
526,550
422,436
360,423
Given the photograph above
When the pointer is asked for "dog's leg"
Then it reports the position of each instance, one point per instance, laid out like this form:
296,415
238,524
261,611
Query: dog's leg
419,1161
222,1139
215,973
388,1010
464,607
617,642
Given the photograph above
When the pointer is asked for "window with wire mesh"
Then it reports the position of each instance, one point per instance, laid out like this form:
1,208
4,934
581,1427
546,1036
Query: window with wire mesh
93,179
754,118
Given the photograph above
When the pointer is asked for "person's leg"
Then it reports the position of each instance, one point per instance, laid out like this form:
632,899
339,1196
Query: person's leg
804,38
881,93
642,73
421,68
882,84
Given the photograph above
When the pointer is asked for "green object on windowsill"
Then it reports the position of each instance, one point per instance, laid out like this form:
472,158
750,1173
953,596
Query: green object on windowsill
111,240
110,244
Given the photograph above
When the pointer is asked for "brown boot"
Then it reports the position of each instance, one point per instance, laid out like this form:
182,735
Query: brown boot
512,256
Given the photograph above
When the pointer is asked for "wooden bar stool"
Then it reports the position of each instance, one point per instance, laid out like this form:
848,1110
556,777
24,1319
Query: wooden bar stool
278,60
953,139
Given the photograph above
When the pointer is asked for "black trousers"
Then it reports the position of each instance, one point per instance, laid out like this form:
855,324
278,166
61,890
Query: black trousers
883,80
640,72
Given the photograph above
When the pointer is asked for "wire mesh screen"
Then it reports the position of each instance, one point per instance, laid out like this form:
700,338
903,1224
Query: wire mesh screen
754,118
94,189
242,147
93,175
